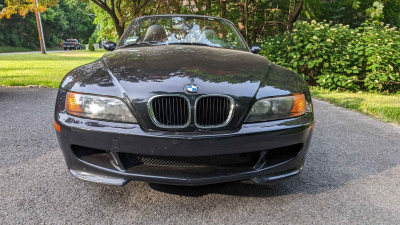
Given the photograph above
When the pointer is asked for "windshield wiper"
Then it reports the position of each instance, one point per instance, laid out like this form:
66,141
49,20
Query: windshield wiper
128,45
140,43
146,42
194,43
163,43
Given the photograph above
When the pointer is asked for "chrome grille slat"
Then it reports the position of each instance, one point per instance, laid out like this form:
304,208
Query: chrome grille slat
173,111
212,111
170,111
184,112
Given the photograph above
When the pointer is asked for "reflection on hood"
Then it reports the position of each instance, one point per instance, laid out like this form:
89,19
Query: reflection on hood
157,63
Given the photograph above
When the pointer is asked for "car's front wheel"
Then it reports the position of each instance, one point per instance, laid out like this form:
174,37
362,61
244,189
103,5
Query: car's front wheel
65,49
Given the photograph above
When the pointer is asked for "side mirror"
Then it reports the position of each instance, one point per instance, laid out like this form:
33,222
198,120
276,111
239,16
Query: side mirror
110,46
255,49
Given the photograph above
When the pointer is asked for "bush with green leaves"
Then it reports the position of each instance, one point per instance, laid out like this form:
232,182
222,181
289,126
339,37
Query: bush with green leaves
91,46
337,57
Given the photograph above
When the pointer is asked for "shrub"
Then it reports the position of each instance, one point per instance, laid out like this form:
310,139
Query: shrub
91,46
337,57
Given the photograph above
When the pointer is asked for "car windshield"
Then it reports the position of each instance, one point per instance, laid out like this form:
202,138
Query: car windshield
182,30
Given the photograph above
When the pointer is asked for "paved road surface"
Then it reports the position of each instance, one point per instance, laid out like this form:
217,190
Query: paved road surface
352,175
35,52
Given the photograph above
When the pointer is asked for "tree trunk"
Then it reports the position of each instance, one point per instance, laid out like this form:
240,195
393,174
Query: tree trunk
222,6
120,29
253,22
118,26
245,20
294,15
242,19
40,29
176,6
208,7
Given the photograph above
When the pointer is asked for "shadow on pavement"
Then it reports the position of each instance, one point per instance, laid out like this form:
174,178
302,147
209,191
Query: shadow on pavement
244,189
345,147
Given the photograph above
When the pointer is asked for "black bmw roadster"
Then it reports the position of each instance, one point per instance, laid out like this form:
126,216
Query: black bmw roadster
182,99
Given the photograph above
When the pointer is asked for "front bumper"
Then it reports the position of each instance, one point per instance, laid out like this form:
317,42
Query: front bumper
79,138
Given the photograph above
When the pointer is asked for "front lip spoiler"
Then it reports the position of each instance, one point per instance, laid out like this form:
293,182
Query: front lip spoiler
98,179
287,174
116,181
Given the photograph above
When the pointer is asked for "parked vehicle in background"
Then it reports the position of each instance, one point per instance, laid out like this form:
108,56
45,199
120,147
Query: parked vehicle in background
72,44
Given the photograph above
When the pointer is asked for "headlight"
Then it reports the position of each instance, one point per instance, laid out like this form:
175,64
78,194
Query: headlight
277,108
96,107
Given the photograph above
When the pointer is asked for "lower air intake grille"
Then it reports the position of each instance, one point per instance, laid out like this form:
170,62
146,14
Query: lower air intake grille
216,160
170,111
213,111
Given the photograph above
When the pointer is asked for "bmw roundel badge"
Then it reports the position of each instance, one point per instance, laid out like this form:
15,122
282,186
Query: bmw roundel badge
192,89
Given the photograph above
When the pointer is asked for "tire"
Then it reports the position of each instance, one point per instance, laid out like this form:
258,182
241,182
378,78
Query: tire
65,49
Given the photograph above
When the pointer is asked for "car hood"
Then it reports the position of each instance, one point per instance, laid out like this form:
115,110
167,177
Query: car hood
146,71
142,72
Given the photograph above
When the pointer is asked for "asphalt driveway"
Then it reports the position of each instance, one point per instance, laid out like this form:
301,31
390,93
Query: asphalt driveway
352,175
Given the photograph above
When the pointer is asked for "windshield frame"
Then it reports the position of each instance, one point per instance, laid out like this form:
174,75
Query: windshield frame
232,26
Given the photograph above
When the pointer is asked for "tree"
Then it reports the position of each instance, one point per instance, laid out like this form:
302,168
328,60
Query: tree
23,7
294,12
256,19
356,12
79,19
121,11
65,20
91,46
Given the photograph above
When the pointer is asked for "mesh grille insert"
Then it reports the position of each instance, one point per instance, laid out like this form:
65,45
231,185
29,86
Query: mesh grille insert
213,111
216,160
170,111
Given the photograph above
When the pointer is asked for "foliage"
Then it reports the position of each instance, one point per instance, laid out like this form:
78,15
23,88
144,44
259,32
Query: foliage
59,23
91,46
79,20
121,12
256,19
23,7
106,29
338,57
356,12
376,11
5,49
384,107
42,69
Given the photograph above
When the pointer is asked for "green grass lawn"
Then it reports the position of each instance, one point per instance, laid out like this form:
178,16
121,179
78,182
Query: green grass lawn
384,107
39,69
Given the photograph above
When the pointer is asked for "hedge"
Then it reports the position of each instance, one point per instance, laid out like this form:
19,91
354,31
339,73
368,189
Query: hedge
91,46
338,57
